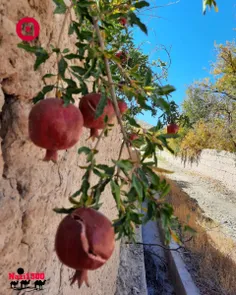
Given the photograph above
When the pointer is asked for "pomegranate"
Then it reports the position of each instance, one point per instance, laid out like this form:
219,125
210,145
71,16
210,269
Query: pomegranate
172,128
88,105
84,241
133,136
122,106
54,127
123,21
122,55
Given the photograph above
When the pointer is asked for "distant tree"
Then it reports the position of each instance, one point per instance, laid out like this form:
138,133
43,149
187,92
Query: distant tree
211,106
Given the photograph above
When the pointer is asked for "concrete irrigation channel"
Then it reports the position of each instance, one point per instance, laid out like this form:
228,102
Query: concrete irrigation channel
150,269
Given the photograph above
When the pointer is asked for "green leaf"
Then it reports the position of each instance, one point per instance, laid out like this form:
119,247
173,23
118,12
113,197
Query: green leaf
120,221
165,90
85,187
48,76
90,70
138,186
64,210
39,97
148,78
135,217
133,122
141,4
62,67
155,180
168,136
136,20
101,105
47,88
143,177
151,211
73,90
76,194
66,99
78,70
84,88
209,3
73,201
57,50
86,3
66,50
165,191
106,24
70,83
71,29
27,47
98,173
106,119
61,7
72,56
108,170
132,195
42,56
84,149
124,164
115,189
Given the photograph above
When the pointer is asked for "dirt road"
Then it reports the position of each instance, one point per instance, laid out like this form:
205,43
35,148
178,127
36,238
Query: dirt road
218,202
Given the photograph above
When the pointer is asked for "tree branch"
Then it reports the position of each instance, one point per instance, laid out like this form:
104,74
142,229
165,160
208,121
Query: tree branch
112,89
58,44
163,247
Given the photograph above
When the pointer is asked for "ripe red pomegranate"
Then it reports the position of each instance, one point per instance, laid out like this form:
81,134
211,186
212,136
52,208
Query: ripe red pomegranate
54,127
88,105
123,21
84,241
122,106
133,136
122,55
172,128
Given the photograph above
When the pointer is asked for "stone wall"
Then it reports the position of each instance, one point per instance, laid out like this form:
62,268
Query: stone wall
218,165
31,188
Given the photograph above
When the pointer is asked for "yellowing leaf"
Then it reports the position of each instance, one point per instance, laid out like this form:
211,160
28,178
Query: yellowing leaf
132,225
122,207
175,237
58,94
108,55
148,88
89,200
161,170
83,167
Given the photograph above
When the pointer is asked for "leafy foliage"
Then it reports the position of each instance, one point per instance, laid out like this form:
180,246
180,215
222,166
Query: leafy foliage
211,108
98,38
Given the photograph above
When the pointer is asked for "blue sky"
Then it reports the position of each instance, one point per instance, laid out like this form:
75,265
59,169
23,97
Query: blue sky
190,35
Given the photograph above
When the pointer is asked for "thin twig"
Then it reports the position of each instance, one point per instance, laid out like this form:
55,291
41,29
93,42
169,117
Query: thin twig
158,256
161,6
163,247
59,41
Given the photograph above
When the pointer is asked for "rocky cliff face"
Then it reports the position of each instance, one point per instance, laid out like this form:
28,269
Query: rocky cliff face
29,187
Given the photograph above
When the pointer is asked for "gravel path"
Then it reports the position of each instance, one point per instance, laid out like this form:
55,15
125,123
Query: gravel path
213,197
